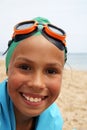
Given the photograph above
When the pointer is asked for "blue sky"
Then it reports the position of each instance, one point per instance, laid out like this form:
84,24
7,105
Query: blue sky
70,15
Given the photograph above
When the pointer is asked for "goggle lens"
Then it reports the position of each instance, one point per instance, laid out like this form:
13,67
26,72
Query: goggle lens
24,26
55,30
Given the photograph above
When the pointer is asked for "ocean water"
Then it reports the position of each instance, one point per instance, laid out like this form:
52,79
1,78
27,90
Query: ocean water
76,61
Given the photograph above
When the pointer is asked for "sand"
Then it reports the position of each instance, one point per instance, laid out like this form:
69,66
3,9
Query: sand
72,99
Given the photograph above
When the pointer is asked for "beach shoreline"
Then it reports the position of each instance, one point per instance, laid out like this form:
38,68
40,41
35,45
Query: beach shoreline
72,100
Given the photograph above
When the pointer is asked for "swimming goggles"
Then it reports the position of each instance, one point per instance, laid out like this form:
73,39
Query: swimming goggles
50,32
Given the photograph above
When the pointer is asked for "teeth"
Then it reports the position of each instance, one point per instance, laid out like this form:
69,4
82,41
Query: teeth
31,99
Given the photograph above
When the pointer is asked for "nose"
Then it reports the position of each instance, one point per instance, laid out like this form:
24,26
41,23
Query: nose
37,81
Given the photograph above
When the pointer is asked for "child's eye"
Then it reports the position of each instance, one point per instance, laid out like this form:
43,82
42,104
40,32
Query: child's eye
52,71
25,67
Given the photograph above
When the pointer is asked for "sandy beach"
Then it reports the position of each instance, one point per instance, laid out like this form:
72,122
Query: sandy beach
72,99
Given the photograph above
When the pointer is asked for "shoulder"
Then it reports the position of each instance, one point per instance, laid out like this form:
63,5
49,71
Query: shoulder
53,111
7,118
2,84
50,119
2,89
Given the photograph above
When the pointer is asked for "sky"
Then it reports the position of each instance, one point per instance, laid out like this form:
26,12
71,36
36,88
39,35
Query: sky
70,15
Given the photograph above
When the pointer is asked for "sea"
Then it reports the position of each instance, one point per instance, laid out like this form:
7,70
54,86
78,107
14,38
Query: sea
77,61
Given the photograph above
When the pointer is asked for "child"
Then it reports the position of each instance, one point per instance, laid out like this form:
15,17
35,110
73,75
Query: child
34,65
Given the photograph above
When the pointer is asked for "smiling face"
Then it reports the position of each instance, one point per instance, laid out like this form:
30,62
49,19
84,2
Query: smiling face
35,75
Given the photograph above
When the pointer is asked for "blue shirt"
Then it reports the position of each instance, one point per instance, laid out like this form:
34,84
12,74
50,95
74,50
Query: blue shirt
50,119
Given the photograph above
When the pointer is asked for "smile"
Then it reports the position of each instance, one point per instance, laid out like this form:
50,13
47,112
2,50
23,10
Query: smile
33,99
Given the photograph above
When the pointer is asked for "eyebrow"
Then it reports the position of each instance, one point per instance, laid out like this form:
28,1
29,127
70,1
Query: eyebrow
24,59
28,60
54,65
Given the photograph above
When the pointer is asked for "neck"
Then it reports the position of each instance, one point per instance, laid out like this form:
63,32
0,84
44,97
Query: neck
24,122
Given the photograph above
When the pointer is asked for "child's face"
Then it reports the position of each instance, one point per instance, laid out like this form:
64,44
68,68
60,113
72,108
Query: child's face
34,75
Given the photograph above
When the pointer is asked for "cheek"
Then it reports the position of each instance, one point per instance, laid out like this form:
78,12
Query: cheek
14,80
14,83
55,86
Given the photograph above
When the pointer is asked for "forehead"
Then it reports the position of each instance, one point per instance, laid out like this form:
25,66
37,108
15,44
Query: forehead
37,45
